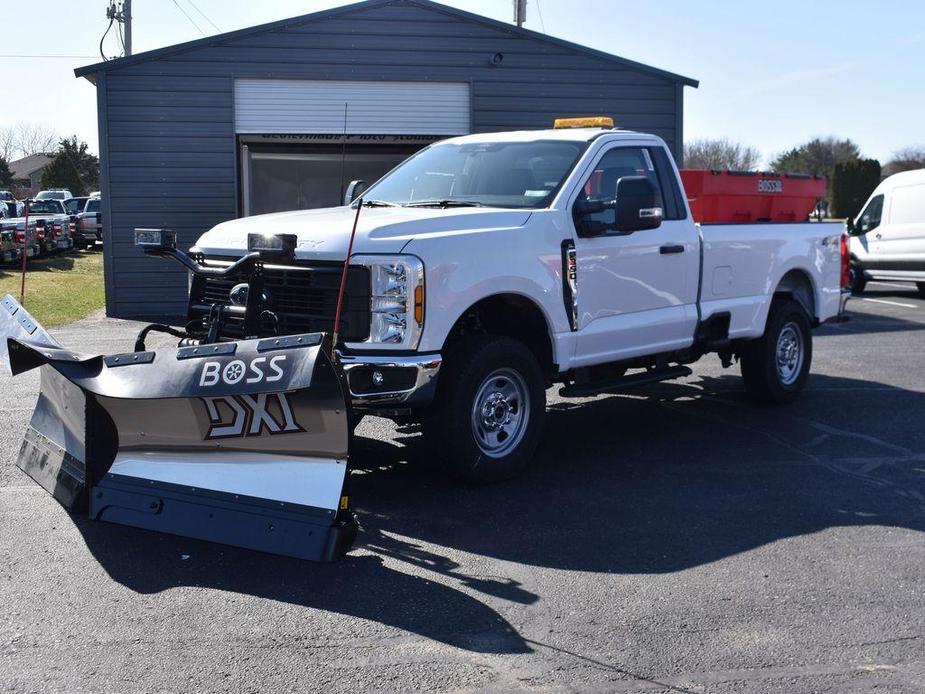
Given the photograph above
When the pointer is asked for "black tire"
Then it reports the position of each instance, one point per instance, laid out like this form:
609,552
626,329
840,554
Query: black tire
856,279
765,379
490,369
921,287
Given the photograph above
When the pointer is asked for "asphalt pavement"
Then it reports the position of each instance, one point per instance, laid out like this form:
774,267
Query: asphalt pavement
679,539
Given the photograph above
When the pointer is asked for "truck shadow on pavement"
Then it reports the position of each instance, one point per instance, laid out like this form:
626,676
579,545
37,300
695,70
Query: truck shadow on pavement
684,475
869,323
662,481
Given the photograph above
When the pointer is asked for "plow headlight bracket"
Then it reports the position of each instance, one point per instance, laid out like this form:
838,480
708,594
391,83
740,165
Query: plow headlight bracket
155,239
396,301
272,246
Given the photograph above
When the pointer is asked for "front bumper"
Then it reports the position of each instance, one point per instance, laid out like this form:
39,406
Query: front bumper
402,381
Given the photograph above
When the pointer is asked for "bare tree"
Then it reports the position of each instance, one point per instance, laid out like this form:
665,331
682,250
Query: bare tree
906,159
8,148
720,155
35,138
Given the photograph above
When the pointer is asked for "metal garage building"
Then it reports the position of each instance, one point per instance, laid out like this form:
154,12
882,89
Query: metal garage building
252,121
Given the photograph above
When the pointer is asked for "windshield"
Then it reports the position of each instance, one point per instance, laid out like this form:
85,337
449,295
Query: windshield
93,205
495,174
44,207
52,195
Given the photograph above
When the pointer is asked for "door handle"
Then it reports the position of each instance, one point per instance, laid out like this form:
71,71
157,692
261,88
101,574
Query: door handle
670,248
878,235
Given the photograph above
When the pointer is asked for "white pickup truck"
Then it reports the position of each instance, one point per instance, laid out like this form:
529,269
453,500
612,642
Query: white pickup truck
487,267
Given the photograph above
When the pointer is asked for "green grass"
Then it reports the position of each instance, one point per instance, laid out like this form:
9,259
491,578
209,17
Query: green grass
60,289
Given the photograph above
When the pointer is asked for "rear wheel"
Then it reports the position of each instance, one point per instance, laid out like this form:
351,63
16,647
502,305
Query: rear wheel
776,365
492,404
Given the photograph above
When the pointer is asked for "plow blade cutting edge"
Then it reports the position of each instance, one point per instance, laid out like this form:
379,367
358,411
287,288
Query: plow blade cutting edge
244,443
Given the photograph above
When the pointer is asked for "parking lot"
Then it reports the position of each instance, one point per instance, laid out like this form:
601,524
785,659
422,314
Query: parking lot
679,539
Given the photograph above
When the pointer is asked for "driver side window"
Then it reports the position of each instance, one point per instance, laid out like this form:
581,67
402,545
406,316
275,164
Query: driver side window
870,217
602,183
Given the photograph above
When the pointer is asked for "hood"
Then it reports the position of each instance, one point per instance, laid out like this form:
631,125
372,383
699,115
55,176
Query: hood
324,234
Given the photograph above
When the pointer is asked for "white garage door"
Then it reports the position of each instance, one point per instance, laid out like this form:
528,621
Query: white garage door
373,108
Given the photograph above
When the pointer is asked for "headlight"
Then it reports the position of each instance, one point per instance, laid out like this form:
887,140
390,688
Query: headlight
396,301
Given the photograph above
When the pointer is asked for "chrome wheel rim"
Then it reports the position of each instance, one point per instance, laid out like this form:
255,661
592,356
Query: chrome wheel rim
789,353
500,412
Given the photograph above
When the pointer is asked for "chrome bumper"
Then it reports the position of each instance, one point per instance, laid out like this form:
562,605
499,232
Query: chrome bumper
406,380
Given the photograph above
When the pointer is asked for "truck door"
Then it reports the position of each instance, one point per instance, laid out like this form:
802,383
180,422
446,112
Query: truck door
636,293
869,246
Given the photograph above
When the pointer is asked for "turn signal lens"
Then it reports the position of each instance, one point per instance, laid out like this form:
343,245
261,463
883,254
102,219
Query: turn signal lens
419,304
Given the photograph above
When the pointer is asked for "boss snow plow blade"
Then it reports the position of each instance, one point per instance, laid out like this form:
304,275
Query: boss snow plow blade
243,443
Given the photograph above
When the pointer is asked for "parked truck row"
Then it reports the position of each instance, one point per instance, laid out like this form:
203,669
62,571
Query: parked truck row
54,222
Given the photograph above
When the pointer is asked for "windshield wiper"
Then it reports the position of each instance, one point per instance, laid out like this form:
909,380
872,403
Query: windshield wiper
378,203
444,203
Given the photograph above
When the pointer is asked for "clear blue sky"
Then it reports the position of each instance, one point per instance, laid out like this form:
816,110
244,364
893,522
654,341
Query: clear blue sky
773,74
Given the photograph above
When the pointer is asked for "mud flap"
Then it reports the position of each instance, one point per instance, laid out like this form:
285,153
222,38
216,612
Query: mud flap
244,443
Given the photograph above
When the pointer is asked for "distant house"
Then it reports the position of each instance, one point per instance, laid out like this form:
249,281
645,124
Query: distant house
27,172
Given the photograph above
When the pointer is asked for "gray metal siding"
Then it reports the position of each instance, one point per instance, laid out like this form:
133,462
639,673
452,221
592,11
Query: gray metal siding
170,148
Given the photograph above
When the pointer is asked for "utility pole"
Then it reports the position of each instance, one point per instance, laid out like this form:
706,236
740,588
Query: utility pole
520,12
122,13
127,19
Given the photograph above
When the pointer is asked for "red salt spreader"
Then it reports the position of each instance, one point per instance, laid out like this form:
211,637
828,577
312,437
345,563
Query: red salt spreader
751,196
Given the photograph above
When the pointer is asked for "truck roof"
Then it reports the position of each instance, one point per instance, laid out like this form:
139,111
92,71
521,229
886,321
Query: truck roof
566,134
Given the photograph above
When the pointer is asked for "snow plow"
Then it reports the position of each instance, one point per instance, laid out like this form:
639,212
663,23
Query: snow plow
243,442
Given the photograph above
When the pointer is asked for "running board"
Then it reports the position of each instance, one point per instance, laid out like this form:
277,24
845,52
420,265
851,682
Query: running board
618,385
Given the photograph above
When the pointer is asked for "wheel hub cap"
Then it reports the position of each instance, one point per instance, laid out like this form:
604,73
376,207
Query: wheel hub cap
789,353
500,412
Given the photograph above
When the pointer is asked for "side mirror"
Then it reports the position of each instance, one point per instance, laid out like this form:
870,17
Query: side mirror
638,205
354,190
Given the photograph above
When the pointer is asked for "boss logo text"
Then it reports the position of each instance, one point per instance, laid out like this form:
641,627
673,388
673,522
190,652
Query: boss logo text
770,186
259,370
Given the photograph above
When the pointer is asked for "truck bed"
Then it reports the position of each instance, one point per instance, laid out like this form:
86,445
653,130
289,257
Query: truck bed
742,264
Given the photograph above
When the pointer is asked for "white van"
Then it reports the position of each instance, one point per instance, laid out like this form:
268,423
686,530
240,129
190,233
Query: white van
888,237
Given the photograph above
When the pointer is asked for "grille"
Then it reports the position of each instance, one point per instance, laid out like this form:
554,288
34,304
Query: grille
303,297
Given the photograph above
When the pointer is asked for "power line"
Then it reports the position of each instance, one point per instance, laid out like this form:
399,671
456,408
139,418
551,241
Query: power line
16,55
539,12
105,34
204,15
185,14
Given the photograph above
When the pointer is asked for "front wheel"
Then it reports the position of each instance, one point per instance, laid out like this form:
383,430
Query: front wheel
776,365
491,408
